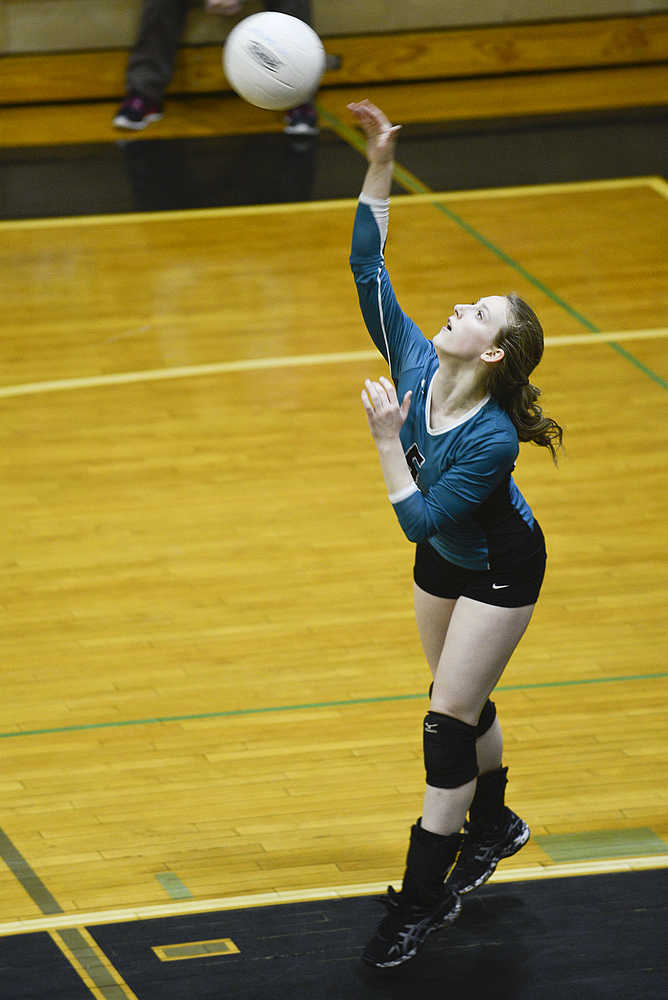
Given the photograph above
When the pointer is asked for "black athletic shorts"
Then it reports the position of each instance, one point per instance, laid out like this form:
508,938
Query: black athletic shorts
509,588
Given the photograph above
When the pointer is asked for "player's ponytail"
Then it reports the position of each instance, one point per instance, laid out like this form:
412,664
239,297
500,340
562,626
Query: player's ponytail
522,343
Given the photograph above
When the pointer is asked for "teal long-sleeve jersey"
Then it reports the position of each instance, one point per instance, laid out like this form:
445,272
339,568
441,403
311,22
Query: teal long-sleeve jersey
463,500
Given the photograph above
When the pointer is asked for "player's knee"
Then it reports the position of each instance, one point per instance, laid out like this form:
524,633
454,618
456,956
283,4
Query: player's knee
449,751
486,720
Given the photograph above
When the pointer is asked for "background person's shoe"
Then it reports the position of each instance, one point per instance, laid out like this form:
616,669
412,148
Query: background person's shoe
136,112
302,120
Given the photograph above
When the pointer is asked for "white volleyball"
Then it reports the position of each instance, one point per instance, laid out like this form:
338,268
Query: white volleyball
274,61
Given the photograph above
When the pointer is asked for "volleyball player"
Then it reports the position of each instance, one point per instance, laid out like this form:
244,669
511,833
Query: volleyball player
446,427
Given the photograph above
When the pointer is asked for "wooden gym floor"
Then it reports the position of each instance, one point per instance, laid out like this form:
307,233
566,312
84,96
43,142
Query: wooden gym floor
213,684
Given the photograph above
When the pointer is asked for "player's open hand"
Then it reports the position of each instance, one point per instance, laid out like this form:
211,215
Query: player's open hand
386,417
380,134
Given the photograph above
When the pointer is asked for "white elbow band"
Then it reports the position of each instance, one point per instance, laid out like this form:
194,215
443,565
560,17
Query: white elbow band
380,209
403,494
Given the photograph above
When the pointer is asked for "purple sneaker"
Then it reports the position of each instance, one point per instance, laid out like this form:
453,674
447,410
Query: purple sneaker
136,112
302,120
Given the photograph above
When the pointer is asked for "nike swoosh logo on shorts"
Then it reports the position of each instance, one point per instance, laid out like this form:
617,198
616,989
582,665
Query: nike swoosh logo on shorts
500,586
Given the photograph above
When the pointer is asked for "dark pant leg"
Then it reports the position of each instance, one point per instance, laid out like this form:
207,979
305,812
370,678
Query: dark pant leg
297,8
151,61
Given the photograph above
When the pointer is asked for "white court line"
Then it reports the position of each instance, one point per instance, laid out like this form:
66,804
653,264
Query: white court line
220,368
290,361
657,184
98,917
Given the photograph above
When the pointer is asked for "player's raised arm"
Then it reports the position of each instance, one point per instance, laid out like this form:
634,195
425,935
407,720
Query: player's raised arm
381,141
395,335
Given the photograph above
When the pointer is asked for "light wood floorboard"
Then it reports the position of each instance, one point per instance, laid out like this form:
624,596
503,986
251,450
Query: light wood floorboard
223,544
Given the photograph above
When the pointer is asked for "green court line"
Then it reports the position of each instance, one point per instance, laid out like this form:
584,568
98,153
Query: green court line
159,719
635,361
413,184
173,885
601,845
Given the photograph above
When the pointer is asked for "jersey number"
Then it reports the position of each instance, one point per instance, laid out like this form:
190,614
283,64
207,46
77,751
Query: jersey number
415,460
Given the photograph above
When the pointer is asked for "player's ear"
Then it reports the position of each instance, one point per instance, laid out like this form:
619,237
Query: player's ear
493,355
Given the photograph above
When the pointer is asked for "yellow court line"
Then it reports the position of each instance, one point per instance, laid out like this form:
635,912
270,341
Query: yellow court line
173,952
529,190
289,361
99,990
656,183
99,917
659,185
180,215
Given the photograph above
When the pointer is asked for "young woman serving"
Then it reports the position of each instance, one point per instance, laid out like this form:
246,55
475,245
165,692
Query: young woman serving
447,426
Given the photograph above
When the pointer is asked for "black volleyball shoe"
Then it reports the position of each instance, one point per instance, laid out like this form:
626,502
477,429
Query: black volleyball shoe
406,927
482,850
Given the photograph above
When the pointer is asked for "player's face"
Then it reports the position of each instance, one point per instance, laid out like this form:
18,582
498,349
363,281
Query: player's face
472,329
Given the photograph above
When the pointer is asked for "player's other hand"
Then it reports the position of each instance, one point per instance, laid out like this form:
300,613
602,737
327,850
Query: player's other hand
386,417
227,7
380,134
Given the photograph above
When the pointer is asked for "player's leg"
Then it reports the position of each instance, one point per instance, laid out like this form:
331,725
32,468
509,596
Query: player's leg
474,651
493,831
478,644
296,8
421,906
489,740
432,615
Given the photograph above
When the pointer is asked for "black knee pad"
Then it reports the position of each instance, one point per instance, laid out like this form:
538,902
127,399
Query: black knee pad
486,720
449,751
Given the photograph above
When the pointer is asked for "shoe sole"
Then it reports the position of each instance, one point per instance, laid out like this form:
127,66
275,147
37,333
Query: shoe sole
512,848
301,130
449,918
120,121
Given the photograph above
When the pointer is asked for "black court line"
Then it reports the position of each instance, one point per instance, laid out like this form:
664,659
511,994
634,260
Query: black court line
597,937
